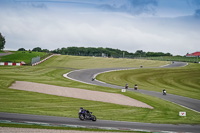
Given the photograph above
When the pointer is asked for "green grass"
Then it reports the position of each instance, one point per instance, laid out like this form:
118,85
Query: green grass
51,72
19,56
42,104
83,62
184,81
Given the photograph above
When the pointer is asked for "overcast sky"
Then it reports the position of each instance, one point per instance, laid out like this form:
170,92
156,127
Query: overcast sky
150,25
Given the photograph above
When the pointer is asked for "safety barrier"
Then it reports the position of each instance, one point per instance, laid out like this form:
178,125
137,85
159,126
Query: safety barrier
10,64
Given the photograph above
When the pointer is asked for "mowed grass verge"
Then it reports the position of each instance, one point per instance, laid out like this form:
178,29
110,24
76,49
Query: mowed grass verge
51,72
19,56
184,81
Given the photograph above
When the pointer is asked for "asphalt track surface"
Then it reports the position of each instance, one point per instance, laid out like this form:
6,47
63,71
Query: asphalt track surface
86,76
101,124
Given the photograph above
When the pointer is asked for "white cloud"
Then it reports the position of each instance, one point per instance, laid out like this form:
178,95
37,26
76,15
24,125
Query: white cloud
52,28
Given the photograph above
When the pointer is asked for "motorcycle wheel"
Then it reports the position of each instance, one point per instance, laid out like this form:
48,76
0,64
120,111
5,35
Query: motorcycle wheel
93,118
81,117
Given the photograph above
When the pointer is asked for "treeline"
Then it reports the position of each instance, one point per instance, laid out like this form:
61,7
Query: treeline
2,42
108,52
99,52
90,51
37,49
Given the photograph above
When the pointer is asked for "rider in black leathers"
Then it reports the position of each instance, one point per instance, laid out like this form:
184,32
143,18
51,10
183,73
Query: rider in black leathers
164,92
85,112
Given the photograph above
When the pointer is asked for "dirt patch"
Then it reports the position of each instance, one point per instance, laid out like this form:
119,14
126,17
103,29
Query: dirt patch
79,93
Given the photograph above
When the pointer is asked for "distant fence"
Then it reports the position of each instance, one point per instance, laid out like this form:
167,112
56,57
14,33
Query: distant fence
35,60
175,58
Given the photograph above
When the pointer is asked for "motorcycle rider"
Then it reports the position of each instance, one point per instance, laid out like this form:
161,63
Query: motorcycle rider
164,92
85,112
93,79
126,86
81,110
135,87
86,115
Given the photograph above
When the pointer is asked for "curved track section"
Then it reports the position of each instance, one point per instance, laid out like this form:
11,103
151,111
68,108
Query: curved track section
86,76
101,124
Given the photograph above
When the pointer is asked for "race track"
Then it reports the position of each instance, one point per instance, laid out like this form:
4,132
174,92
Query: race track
101,124
86,76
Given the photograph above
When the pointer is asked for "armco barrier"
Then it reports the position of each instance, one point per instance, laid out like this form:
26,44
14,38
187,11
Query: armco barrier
10,64
42,60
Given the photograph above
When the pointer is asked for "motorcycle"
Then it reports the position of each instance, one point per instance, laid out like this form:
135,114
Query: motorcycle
87,116
164,93
93,79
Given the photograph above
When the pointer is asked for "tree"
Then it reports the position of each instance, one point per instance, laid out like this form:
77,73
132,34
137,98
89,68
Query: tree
140,53
21,49
157,54
2,42
37,49
45,50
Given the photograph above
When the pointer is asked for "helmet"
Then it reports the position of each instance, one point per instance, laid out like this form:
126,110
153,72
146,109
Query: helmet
81,107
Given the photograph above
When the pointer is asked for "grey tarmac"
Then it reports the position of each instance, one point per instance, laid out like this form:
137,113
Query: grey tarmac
86,75
101,124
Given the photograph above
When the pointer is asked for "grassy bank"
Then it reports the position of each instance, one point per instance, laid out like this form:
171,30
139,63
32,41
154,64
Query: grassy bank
84,62
51,72
19,56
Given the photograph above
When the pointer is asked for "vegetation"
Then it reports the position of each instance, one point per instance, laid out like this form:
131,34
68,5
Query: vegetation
2,42
83,62
108,52
21,56
182,81
115,53
21,49
51,71
37,49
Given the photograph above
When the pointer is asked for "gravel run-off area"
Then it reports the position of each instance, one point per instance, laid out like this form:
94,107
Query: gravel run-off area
79,93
